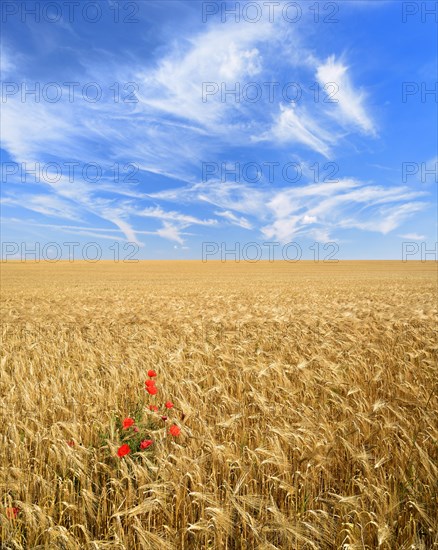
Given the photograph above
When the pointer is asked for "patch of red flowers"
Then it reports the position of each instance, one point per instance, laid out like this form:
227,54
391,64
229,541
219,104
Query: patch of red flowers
134,443
12,512
71,443
174,430
123,450
127,423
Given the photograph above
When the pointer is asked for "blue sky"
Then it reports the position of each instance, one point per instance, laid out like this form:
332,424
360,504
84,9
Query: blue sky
136,141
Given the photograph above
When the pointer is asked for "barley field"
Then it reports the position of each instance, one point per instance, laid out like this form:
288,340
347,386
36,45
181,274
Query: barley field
305,394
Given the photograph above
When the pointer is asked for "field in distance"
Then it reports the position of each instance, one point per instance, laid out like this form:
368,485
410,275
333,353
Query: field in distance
306,395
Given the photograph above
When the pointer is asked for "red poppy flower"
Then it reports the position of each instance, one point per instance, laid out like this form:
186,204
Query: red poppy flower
150,383
12,512
164,418
71,443
168,404
145,444
153,408
153,390
127,423
123,450
174,430
151,373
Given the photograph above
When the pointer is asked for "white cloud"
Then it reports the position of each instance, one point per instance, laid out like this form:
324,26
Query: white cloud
294,124
126,228
184,219
350,101
48,205
223,52
412,237
308,210
6,63
171,232
235,220
240,62
387,218
28,128
229,196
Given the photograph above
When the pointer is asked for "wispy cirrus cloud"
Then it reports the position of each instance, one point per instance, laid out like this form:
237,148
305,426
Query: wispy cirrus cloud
350,101
233,219
222,53
413,237
294,125
184,219
308,209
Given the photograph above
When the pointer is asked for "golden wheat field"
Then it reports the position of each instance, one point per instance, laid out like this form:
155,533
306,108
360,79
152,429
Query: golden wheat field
306,395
